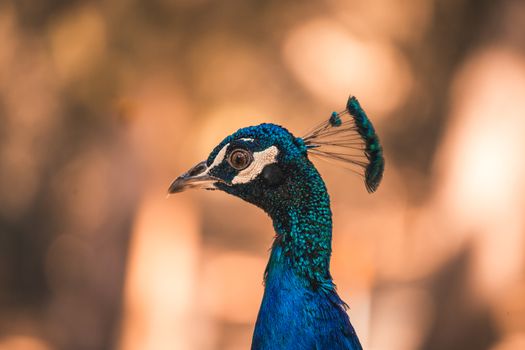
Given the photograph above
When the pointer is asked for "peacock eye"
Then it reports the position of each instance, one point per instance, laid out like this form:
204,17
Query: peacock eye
240,159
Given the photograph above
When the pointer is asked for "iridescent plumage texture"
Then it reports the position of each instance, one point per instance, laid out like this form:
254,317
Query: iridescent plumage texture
352,142
269,167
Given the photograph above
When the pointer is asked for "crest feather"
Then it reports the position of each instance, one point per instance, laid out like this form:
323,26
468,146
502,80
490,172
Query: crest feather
349,138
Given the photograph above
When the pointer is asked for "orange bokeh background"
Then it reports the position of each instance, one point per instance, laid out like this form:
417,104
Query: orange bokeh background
103,103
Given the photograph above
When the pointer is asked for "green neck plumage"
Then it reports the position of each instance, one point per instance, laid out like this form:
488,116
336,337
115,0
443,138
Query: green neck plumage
304,229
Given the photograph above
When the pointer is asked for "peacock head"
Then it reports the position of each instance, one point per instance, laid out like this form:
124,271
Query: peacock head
258,164
268,166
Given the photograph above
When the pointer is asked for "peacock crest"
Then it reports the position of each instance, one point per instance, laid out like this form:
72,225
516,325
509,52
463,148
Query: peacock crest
349,138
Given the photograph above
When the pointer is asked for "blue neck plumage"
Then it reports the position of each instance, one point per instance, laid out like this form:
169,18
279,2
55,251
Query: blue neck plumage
304,235
300,210
300,307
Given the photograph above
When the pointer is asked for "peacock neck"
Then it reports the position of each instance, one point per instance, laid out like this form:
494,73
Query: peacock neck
300,307
304,234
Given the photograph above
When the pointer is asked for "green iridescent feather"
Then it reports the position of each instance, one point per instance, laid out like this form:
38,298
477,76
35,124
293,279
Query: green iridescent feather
348,137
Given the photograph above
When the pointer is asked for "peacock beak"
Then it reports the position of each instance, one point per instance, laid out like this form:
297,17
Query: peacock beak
196,177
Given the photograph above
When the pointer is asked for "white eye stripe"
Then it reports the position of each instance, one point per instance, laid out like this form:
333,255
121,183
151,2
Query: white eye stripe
218,158
222,153
260,160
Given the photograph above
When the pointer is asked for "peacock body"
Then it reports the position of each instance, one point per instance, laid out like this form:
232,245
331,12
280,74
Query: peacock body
267,166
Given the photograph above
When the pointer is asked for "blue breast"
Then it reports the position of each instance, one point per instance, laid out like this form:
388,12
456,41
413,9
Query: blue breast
293,316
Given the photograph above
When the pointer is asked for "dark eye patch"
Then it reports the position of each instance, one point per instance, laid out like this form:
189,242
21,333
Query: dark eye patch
273,175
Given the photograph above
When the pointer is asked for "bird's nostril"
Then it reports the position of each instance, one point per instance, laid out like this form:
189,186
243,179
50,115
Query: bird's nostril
196,170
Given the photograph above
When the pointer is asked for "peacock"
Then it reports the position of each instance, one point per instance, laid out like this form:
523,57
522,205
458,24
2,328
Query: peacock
268,166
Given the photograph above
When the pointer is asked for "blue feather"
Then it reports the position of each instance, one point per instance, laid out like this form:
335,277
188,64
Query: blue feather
295,317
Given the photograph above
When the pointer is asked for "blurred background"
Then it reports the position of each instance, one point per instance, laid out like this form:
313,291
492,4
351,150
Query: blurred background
104,103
